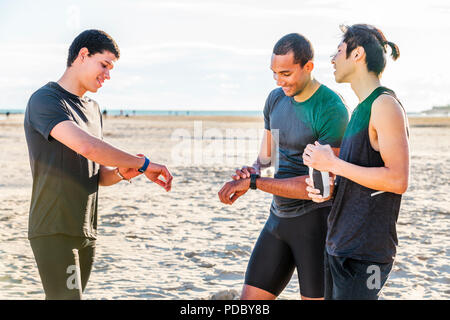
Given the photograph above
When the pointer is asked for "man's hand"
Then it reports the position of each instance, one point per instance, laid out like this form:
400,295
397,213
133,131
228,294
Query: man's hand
129,173
154,171
232,190
244,173
314,194
319,157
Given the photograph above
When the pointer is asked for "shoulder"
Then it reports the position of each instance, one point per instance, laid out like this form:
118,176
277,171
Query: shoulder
272,99
44,97
332,97
386,109
44,91
333,102
387,105
275,94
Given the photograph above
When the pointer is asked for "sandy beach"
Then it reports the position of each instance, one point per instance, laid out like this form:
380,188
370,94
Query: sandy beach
186,244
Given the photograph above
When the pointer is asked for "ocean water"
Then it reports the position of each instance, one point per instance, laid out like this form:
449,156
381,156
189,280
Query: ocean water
130,112
238,113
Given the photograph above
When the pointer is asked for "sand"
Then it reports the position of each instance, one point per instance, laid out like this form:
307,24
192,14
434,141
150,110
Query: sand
186,244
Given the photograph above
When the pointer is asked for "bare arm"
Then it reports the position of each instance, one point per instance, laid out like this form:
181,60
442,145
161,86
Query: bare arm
93,148
388,120
294,188
101,152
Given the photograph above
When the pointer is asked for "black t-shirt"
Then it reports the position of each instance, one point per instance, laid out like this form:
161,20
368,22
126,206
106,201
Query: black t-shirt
65,184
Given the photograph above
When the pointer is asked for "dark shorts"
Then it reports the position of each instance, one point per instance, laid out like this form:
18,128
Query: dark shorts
288,243
351,279
64,264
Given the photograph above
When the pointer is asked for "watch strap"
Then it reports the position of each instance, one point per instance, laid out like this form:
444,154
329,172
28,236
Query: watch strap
253,178
145,166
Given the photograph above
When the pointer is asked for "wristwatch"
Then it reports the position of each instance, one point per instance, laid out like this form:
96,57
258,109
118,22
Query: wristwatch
144,167
253,178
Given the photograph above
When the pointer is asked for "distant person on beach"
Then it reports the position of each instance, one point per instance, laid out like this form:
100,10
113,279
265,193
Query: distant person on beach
69,160
372,171
300,112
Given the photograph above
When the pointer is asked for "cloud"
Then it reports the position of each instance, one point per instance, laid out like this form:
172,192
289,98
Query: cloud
211,54
257,10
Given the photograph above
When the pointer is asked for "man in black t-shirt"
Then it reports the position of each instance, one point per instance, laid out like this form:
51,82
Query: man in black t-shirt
69,160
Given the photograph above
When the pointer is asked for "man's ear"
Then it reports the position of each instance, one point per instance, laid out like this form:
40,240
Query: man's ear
309,66
82,54
358,53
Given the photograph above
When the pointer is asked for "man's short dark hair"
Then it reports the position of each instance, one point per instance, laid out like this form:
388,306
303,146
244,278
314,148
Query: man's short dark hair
298,44
374,43
96,41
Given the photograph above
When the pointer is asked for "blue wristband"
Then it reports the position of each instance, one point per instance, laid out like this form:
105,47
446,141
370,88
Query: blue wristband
144,167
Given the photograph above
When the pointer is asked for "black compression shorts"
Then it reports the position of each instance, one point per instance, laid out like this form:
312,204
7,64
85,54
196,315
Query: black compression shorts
287,243
64,264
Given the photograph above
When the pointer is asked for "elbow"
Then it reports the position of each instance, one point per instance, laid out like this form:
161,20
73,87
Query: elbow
87,151
401,186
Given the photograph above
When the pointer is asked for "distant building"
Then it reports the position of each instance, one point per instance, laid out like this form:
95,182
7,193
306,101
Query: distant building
443,111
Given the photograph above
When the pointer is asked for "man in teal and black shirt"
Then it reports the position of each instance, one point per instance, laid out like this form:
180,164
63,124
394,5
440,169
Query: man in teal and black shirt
298,113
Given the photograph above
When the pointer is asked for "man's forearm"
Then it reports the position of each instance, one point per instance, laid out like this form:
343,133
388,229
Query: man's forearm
93,148
107,155
294,188
377,178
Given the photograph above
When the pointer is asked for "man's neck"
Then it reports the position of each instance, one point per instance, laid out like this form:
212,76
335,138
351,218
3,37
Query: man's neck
69,82
308,91
363,84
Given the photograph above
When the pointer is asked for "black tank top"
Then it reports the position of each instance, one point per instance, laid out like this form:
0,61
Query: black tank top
362,221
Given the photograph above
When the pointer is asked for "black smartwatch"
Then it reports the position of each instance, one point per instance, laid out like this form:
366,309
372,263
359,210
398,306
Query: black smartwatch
253,178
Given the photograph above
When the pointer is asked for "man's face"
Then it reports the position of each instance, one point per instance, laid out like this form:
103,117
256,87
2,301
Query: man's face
95,69
289,75
343,66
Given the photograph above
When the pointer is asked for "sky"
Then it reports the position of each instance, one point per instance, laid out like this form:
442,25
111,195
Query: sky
215,55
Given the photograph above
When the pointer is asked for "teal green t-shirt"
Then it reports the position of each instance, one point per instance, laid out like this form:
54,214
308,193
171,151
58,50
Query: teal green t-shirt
323,117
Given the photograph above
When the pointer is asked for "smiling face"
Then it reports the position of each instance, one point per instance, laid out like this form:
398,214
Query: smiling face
94,69
344,67
290,76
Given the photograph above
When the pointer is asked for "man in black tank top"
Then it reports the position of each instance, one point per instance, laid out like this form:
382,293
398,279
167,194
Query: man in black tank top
372,171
